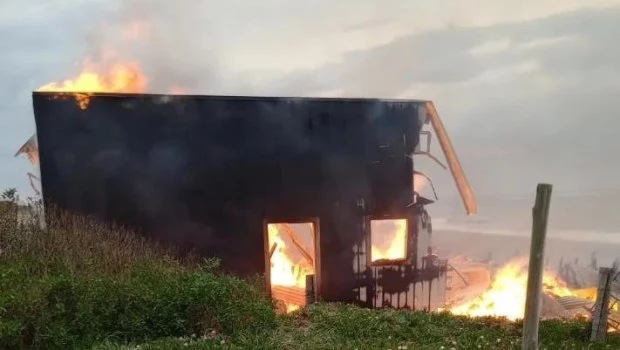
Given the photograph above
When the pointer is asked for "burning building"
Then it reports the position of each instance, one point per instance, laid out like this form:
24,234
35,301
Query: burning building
307,191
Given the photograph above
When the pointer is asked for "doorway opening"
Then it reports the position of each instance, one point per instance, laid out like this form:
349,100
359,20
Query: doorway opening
291,253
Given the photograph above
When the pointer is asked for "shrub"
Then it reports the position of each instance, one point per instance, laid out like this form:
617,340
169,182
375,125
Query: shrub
78,282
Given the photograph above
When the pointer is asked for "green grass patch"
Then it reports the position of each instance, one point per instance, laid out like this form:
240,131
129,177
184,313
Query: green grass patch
80,285
331,326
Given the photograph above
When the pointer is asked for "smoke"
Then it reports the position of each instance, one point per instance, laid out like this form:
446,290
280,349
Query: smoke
235,47
489,103
178,44
419,183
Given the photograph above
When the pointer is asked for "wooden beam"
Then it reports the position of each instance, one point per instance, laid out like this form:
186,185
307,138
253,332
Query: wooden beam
467,194
533,301
291,234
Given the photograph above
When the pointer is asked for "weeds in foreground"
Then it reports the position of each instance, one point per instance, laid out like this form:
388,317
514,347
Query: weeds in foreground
77,282
330,326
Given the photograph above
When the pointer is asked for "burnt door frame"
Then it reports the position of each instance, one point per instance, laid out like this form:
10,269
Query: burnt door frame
316,223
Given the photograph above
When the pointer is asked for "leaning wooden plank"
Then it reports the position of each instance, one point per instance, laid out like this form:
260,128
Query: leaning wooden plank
291,234
573,303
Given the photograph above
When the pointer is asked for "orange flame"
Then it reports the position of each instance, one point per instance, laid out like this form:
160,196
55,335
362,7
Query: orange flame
122,78
287,270
388,239
507,292
292,307
284,271
289,266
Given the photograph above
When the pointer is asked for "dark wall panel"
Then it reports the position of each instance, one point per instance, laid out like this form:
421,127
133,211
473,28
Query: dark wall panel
204,172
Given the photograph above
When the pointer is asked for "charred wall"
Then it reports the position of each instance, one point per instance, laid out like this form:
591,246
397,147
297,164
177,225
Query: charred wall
205,172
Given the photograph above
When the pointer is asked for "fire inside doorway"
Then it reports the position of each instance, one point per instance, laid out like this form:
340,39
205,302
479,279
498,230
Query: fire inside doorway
292,260
317,194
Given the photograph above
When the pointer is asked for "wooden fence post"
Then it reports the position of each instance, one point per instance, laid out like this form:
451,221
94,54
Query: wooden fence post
531,319
601,307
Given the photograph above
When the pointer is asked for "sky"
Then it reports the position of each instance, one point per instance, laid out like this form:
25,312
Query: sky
527,89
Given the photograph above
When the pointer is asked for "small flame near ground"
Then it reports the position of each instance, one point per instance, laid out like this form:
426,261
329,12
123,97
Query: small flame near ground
506,295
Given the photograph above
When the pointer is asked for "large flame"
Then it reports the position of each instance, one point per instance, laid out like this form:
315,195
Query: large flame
289,268
284,271
388,239
507,292
119,77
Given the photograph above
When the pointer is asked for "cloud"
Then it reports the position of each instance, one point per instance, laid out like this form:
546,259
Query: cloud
490,47
548,42
535,102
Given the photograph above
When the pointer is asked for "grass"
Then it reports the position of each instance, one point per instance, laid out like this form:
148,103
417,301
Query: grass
347,327
332,326
80,285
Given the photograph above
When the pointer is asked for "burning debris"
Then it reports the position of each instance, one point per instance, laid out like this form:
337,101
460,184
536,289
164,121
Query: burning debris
31,149
505,295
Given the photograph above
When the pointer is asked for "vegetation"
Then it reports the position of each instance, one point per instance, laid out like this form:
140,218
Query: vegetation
346,327
78,285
